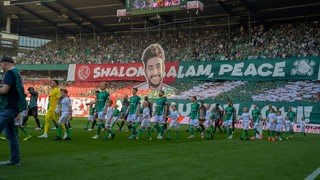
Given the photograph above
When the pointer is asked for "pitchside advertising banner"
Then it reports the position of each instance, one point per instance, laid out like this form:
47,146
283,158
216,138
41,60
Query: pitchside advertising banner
306,68
311,111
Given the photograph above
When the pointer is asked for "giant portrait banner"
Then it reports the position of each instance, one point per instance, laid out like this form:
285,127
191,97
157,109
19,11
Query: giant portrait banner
304,68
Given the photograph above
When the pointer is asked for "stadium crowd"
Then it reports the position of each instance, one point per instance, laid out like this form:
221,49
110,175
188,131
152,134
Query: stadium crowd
279,41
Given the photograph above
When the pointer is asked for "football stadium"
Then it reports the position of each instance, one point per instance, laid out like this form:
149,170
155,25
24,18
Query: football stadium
159,89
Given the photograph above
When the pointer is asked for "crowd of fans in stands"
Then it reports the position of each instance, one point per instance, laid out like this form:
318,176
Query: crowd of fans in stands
278,41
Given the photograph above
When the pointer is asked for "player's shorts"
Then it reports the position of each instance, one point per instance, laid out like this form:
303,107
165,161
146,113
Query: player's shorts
100,115
208,123
64,118
138,118
292,124
20,120
287,128
132,118
245,125
115,118
107,117
302,129
174,124
255,125
279,128
33,111
90,118
145,123
194,122
159,119
227,123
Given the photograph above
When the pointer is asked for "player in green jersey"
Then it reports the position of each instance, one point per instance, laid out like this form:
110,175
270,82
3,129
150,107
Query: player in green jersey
256,118
160,114
132,111
293,118
229,116
101,104
194,116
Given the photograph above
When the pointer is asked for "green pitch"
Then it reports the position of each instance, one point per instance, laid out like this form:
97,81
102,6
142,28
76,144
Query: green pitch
85,158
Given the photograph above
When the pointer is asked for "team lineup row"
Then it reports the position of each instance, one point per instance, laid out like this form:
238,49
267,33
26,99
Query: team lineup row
203,119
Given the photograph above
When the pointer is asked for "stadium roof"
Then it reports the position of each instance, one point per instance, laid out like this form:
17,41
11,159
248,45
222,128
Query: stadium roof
63,17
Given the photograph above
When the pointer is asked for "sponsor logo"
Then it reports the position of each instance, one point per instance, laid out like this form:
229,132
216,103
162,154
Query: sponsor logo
303,67
84,72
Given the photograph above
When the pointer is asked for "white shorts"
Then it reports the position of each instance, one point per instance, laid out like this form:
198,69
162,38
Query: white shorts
20,120
145,123
138,118
64,118
174,124
287,128
246,125
108,124
279,128
115,118
159,119
302,129
271,127
256,124
100,115
208,123
194,122
132,118
227,123
292,124
90,118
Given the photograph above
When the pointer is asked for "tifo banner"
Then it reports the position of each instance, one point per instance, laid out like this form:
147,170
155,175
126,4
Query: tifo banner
305,68
112,72
311,111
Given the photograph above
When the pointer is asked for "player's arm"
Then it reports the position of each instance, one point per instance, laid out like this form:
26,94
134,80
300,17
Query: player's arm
164,110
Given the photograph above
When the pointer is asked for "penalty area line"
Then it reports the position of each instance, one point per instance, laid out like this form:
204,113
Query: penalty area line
314,174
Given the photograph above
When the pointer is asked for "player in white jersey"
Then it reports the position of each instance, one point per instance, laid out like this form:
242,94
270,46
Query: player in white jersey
64,108
279,126
109,119
174,114
145,121
287,125
245,117
303,127
19,124
208,122
271,124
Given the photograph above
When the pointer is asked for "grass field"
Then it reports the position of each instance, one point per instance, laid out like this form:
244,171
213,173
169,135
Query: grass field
85,158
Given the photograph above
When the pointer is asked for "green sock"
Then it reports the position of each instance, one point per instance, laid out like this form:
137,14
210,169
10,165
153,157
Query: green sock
162,130
242,135
99,128
254,132
59,131
189,127
149,133
192,130
139,132
246,131
134,130
24,130
112,125
224,129
108,133
207,134
269,134
67,131
87,125
169,134
280,135
137,125
157,128
177,134
229,131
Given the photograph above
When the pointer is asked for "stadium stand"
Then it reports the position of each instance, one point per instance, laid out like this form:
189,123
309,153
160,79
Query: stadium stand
280,41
